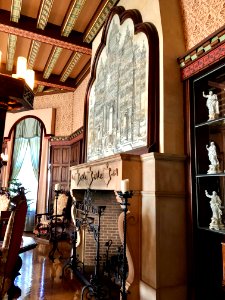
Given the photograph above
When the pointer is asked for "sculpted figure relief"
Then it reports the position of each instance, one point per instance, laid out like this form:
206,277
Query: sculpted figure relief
214,162
215,204
213,105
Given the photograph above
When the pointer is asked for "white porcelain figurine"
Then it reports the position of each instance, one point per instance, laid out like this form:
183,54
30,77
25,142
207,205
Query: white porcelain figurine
213,105
215,204
214,162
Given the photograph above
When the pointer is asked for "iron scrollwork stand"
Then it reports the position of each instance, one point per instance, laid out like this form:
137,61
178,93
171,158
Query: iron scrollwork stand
74,263
54,238
124,204
95,289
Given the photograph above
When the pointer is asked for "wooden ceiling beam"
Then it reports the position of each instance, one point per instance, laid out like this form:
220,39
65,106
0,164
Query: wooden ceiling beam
84,72
52,81
26,27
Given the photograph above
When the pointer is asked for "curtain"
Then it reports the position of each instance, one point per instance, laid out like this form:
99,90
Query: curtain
28,133
34,144
43,179
20,148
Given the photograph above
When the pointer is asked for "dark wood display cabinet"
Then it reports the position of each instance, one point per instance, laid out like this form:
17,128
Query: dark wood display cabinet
207,129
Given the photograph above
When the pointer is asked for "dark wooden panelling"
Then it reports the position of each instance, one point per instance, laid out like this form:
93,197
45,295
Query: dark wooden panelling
60,168
62,158
75,158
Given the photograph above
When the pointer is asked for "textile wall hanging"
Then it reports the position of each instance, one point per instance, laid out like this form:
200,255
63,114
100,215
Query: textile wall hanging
122,98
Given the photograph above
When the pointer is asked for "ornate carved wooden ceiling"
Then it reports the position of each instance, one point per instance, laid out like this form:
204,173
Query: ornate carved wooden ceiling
54,35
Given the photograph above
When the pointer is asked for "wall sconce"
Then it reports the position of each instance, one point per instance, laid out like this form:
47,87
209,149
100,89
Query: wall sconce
23,72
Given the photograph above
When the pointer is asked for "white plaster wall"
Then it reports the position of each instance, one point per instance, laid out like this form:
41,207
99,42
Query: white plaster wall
47,116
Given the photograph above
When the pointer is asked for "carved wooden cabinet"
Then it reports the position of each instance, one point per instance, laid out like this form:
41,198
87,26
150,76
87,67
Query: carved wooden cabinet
207,134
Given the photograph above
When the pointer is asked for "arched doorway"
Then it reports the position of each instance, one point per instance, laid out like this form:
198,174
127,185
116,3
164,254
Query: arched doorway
25,163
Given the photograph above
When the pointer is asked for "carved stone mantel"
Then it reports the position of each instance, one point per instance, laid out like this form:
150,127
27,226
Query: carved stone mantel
106,174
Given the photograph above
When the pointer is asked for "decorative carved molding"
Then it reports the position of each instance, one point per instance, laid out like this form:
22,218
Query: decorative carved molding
11,49
27,28
104,175
74,135
204,54
99,19
55,53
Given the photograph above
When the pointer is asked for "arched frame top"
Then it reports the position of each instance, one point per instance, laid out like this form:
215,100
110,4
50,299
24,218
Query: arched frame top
152,89
45,116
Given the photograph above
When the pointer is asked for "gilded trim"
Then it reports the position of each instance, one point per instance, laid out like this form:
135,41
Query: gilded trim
69,137
15,10
96,26
34,48
44,13
11,48
40,89
52,62
70,66
72,16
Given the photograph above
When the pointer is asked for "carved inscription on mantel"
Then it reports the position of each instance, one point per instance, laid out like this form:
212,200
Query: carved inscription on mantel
93,176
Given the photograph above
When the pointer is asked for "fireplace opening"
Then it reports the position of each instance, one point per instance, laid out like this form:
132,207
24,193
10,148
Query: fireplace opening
100,250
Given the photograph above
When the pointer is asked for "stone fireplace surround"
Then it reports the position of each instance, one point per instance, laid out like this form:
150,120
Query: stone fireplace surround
156,232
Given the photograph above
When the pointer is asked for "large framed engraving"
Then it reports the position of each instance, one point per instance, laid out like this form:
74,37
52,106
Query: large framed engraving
122,97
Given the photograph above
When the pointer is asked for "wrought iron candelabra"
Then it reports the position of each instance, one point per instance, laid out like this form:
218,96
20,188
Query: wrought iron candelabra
80,220
124,205
95,289
74,263
54,238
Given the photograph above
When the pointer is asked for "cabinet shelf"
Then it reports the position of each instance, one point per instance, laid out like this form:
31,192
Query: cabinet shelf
219,121
210,175
211,230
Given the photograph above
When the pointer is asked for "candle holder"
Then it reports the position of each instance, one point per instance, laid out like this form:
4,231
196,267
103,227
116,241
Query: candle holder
124,205
74,263
54,238
95,290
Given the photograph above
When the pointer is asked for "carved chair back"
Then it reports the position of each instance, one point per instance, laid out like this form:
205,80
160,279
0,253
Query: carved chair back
12,242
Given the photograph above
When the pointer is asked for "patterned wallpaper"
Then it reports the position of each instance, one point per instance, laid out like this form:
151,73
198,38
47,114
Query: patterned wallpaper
201,18
78,104
69,108
63,103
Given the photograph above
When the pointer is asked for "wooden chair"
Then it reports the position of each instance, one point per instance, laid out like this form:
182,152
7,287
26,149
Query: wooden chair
4,212
46,222
10,262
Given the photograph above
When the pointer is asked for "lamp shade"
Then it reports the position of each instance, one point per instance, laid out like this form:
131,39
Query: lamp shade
21,67
29,78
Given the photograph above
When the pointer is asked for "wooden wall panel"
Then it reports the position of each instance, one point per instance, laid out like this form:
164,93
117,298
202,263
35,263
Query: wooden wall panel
62,158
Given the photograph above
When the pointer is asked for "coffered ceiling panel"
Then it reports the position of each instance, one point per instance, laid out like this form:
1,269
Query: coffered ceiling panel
54,35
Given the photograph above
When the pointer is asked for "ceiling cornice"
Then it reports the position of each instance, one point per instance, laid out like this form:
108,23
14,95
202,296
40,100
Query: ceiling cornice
51,35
